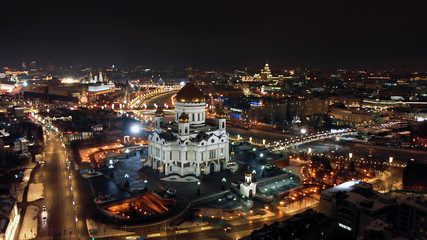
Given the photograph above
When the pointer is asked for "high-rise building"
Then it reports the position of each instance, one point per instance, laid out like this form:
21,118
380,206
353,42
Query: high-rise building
266,73
353,205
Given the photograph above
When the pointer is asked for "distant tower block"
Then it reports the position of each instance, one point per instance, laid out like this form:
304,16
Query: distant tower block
101,78
266,72
90,77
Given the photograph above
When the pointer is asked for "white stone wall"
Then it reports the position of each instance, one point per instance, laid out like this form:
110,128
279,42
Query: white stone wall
195,111
245,189
185,157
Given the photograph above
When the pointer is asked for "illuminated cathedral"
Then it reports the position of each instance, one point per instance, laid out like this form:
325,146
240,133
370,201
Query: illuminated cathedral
188,146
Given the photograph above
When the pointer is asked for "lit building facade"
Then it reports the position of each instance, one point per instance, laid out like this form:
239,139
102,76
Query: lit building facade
188,146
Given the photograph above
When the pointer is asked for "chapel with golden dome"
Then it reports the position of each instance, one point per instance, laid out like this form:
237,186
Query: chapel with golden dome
188,146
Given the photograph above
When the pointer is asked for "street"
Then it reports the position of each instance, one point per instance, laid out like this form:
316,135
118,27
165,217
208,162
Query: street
61,220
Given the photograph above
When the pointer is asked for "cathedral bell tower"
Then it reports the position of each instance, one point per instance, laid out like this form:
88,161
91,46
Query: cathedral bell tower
221,120
184,124
159,119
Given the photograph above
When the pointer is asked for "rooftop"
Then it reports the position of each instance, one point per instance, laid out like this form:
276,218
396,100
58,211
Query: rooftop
6,207
360,194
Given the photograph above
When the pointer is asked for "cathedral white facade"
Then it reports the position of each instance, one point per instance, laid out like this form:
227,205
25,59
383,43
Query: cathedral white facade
189,146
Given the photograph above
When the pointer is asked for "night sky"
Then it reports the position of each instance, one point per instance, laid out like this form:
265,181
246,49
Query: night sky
216,34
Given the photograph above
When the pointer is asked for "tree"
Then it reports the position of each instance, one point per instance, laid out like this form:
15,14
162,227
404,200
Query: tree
351,167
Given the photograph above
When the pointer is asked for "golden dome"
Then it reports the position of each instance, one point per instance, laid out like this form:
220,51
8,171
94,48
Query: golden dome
190,94
220,114
248,172
159,112
184,118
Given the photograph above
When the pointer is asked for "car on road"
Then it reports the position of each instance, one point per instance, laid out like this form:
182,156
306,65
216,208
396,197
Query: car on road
226,229
44,214
171,192
135,238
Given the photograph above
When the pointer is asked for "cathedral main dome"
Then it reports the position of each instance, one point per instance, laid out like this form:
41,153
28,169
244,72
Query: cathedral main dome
190,94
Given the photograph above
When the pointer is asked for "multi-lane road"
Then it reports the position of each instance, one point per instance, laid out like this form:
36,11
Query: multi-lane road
61,213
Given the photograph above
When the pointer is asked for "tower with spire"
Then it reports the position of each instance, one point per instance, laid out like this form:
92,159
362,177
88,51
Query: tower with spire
266,72
248,188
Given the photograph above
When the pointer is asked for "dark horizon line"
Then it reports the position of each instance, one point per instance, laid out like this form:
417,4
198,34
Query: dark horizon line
253,67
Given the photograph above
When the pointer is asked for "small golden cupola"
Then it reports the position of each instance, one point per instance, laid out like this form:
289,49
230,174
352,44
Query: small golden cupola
159,112
184,118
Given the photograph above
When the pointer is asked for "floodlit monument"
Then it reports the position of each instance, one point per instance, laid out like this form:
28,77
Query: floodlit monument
188,146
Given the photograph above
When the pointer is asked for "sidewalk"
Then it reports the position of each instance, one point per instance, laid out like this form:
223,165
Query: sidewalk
30,222
100,230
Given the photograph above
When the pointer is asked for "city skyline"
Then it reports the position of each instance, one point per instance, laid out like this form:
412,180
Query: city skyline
241,119
220,35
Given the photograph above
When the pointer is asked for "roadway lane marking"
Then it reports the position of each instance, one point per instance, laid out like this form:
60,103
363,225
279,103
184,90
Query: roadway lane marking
181,231
206,228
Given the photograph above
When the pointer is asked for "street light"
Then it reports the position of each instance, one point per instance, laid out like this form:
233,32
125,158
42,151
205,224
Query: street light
135,128
390,159
350,155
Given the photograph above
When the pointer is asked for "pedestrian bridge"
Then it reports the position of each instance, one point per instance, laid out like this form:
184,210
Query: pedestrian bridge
305,138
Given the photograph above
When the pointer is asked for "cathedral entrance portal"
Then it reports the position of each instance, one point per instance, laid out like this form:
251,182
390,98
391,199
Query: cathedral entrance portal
221,164
212,168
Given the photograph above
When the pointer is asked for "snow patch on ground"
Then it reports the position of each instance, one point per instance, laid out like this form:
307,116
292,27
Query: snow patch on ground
180,179
191,224
295,169
93,174
27,175
265,215
99,230
31,165
29,224
35,192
